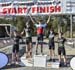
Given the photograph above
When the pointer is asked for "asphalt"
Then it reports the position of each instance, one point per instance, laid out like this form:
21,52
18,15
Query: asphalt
70,51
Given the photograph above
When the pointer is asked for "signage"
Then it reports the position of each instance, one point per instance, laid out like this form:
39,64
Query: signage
72,63
3,60
38,7
34,8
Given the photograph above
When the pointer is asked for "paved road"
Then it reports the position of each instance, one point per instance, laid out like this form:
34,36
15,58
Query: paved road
69,50
36,68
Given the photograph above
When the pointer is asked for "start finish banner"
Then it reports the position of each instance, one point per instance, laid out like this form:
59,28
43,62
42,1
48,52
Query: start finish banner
38,7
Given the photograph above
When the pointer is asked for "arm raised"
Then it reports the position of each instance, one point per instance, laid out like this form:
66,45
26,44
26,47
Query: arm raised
22,32
32,19
48,19
7,30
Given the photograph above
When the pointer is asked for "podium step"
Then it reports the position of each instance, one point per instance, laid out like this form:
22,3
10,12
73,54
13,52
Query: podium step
26,62
39,61
53,64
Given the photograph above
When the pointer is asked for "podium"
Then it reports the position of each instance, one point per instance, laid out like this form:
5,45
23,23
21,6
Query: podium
25,62
40,61
53,64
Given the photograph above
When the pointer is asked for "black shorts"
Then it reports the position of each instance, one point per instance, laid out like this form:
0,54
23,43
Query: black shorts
40,38
28,40
61,50
51,46
15,48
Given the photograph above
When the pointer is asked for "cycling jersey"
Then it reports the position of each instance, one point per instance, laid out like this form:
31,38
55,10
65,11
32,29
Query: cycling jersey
40,28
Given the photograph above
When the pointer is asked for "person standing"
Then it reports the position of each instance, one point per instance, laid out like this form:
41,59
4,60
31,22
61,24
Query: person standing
40,32
28,35
61,48
51,44
15,48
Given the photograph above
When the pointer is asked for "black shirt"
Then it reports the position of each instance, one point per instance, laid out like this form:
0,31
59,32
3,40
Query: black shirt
16,40
51,37
61,42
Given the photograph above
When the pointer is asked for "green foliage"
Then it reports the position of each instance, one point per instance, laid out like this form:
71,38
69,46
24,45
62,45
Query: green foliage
20,21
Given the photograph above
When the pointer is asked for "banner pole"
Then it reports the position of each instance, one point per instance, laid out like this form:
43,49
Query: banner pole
71,31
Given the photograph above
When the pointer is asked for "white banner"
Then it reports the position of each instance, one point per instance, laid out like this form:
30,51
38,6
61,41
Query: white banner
36,8
40,7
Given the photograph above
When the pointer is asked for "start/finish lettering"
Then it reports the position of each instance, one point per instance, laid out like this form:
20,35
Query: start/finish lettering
38,9
18,10
48,9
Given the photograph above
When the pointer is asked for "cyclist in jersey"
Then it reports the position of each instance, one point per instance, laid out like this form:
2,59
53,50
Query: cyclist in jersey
61,48
15,48
40,32
51,44
28,35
